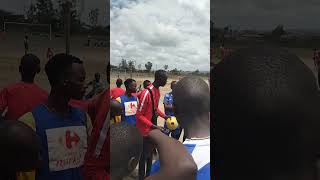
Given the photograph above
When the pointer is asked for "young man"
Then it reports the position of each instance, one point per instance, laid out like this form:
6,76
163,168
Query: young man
96,86
147,114
62,129
15,137
126,146
117,91
26,44
22,97
129,102
267,125
168,109
194,118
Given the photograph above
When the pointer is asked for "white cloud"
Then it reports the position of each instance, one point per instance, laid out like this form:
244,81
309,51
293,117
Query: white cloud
172,32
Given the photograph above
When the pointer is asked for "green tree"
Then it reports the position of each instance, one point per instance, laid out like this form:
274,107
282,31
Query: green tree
165,67
148,66
45,12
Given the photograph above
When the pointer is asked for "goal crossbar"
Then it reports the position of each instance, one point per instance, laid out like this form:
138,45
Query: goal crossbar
30,24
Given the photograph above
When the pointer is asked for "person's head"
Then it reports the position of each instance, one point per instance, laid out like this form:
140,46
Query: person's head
196,91
265,116
146,83
125,149
29,67
119,83
173,83
20,148
116,108
131,86
160,78
97,77
66,75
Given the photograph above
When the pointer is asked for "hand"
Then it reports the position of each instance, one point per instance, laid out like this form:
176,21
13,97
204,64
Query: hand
167,117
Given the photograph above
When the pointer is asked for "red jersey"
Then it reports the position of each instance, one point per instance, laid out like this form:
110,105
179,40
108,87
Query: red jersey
144,112
81,104
21,98
96,165
116,92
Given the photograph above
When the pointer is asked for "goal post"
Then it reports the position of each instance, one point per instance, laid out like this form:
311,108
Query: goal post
5,26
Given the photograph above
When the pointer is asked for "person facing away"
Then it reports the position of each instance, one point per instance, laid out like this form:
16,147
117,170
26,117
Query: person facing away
21,97
96,86
126,147
194,118
147,115
63,130
129,102
168,110
15,137
267,124
117,91
145,84
26,44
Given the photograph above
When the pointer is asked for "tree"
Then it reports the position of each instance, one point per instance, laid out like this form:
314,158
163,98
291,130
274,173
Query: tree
124,64
131,66
165,67
278,32
196,72
93,17
175,71
148,66
32,13
45,12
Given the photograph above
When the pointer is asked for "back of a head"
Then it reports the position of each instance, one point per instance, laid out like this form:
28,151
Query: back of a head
194,91
127,82
20,147
125,143
30,66
119,82
59,67
160,74
146,83
263,107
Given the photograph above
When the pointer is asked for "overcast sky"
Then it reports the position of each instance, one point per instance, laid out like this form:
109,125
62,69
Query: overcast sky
172,32
19,6
266,14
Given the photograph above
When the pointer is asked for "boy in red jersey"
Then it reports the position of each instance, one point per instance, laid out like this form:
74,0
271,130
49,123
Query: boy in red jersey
23,96
118,91
147,117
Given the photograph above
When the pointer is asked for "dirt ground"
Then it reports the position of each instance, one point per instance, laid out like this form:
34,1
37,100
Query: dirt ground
12,49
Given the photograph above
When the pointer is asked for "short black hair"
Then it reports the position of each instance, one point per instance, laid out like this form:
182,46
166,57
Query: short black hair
129,81
30,64
125,143
119,82
59,67
265,116
196,90
159,74
146,83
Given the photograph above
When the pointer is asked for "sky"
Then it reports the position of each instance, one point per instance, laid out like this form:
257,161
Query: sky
165,32
19,6
266,14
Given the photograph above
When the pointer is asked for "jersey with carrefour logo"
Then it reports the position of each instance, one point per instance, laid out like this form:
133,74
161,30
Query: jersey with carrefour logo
63,143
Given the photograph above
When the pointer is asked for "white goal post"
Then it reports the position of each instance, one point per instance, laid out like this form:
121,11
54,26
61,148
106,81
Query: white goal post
29,24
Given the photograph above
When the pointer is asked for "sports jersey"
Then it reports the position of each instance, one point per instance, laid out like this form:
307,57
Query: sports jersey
129,105
144,112
96,166
20,98
116,92
81,104
168,99
63,142
200,151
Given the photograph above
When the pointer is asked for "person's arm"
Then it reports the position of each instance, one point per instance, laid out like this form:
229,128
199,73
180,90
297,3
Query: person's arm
162,114
176,162
142,108
117,119
3,100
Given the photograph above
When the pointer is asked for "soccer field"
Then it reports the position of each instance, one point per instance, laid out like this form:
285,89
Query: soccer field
12,49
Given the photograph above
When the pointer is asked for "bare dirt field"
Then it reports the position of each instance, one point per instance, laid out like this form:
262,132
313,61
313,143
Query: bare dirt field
12,49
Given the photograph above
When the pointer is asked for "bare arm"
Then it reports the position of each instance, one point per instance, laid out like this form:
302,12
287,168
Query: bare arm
176,162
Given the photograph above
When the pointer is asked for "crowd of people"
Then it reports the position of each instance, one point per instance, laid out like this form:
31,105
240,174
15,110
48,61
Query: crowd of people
62,134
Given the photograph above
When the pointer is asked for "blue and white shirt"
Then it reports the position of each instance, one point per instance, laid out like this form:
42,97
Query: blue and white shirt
200,151
168,99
